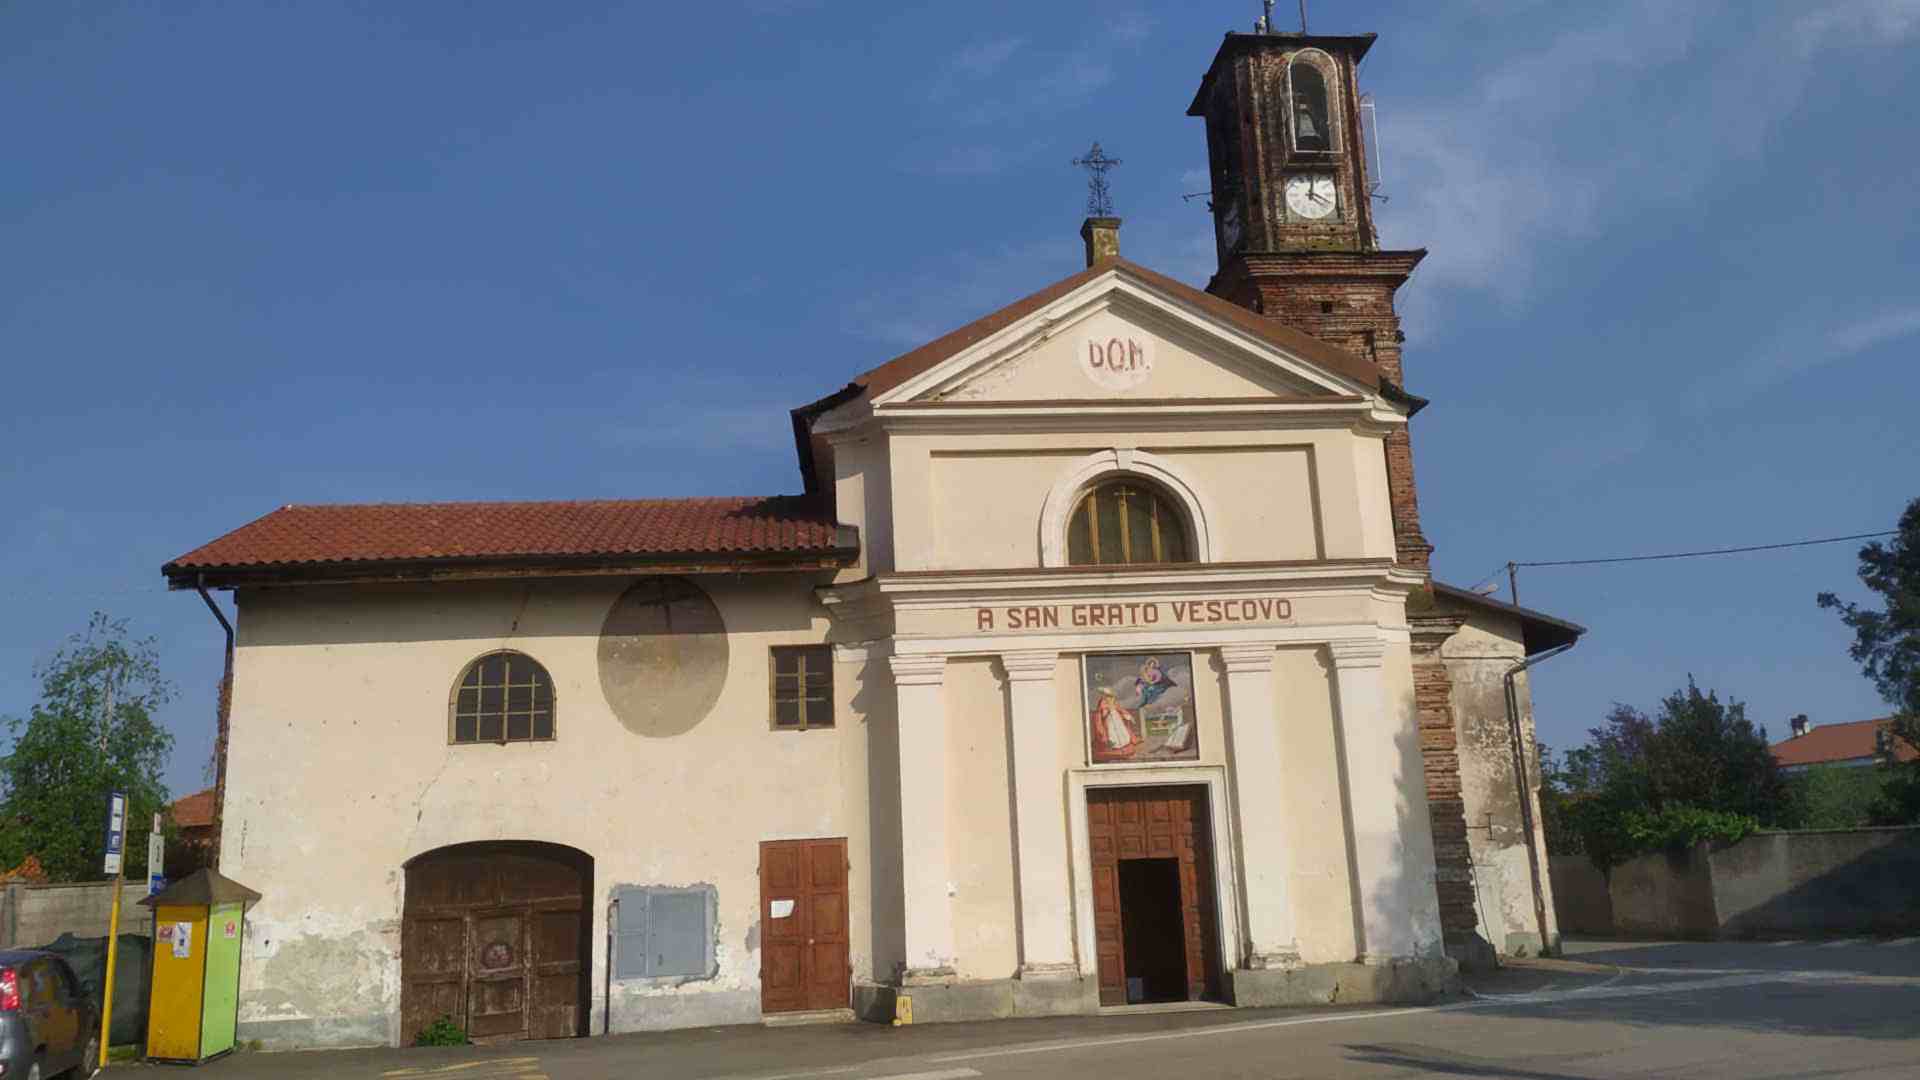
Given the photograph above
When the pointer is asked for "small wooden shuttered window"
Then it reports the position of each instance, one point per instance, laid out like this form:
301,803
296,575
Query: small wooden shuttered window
502,697
802,687
1126,522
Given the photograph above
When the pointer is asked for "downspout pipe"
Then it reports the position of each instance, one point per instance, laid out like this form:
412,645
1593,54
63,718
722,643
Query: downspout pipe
1517,745
225,706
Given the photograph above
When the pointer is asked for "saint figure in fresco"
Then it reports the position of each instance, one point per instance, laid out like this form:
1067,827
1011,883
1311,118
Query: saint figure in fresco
1113,733
1151,683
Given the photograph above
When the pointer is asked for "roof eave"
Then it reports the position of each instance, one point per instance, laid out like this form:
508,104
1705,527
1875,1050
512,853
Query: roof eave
1539,631
844,553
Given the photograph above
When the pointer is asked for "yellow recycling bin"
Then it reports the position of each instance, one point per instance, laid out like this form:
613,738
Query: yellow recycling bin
198,924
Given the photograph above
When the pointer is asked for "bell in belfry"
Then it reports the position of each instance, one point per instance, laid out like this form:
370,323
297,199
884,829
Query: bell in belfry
1309,132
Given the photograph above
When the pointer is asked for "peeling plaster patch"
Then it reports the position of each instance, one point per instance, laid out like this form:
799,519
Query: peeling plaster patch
306,971
753,936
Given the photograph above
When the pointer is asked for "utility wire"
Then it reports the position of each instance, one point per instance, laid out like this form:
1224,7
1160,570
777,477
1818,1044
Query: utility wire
1710,551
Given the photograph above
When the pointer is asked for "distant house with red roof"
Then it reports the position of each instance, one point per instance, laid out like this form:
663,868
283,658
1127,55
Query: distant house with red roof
1855,743
193,816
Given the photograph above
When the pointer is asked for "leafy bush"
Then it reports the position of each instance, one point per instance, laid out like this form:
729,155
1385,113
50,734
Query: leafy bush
442,1032
1679,827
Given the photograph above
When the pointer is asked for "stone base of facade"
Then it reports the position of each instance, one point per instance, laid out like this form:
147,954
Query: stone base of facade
667,1012
326,1032
1521,943
985,999
1473,952
1402,982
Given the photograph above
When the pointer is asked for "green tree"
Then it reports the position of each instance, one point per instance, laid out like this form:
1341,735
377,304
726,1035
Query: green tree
91,733
1697,769
1886,644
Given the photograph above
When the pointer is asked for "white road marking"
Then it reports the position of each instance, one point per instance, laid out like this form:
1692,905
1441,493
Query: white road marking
1843,942
943,1074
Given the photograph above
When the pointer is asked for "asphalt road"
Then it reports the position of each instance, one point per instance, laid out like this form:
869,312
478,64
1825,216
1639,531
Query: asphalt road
1609,1009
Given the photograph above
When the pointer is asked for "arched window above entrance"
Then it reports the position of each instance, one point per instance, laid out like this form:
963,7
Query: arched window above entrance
502,697
1127,521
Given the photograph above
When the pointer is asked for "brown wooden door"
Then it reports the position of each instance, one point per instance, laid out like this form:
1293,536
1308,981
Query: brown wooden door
494,937
1153,823
804,961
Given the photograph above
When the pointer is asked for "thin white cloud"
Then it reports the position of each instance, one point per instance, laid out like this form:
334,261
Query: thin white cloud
913,310
987,58
1861,20
1604,121
1876,331
1009,78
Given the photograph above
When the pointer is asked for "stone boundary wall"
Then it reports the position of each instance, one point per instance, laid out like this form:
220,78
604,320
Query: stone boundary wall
1581,904
1771,884
36,915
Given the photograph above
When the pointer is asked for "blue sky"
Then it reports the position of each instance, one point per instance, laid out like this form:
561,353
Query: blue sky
260,254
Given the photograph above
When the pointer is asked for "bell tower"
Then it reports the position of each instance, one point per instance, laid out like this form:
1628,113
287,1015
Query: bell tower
1292,207
1293,220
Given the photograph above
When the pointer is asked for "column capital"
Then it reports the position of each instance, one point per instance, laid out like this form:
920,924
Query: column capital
919,669
1357,652
1254,657
1430,631
1030,665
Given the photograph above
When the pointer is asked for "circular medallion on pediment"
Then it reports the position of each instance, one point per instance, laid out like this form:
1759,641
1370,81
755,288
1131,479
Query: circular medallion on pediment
663,656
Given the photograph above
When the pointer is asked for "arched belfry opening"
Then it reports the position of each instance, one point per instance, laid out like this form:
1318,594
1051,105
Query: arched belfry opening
496,937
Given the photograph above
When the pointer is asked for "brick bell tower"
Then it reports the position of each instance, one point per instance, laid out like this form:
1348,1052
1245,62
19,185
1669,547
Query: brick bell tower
1293,223
1293,213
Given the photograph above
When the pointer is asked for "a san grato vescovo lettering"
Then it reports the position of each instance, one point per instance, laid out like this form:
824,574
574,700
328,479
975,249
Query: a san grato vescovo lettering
1135,613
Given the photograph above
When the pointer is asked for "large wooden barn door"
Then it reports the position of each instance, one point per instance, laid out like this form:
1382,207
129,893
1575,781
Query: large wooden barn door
494,937
1132,833
804,962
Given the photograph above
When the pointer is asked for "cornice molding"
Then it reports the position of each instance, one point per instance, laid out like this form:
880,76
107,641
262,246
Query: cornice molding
1253,657
1351,653
918,669
1030,665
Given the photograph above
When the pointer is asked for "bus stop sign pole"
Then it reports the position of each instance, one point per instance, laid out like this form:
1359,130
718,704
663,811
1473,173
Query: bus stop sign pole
115,865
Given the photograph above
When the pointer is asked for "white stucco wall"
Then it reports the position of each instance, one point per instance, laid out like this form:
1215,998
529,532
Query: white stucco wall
340,771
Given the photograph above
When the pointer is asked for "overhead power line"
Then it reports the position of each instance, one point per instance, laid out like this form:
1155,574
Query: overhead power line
1513,568
1709,551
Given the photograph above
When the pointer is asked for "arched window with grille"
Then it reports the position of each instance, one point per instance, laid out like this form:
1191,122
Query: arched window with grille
1127,521
502,697
1310,123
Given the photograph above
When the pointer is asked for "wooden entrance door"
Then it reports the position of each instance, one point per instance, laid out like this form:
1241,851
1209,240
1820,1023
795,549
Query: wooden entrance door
1153,823
804,960
494,937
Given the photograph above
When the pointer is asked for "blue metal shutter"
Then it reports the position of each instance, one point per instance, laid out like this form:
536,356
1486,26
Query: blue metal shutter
630,938
678,938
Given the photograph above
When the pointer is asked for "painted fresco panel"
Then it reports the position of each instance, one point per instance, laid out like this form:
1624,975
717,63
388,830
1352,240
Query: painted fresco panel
1140,708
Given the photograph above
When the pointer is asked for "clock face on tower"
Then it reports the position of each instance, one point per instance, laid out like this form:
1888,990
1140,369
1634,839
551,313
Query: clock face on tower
1311,195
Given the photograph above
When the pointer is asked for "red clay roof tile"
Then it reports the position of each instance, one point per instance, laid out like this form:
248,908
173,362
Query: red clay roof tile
194,811
492,531
1839,742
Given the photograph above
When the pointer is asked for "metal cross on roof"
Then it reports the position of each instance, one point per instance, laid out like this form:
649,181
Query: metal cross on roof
1099,198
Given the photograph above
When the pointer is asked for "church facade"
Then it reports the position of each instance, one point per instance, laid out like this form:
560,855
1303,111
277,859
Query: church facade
1097,663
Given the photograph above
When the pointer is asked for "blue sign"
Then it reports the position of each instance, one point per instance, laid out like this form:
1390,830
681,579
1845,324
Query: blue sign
116,830
155,883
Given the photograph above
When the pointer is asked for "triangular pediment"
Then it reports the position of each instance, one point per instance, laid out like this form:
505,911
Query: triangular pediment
1127,336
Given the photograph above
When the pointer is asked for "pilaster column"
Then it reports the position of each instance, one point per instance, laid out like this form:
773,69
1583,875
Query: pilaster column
1046,897
1388,890
920,692
1259,807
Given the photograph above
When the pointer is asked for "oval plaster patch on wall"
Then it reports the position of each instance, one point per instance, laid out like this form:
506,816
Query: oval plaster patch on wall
663,657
